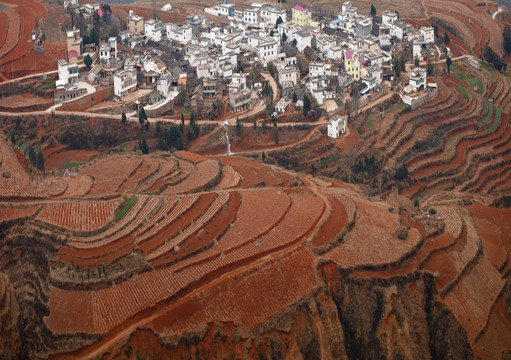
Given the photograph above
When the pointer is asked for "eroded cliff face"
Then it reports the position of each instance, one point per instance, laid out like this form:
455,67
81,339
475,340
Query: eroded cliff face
345,318
9,310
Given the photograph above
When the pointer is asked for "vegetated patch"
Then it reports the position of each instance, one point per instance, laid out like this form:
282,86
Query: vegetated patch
498,114
463,91
487,66
477,82
2,7
71,165
327,161
183,111
487,119
338,102
447,27
46,86
303,151
125,208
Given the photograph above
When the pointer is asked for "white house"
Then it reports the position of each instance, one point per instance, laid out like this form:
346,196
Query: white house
125,81
319,69
104,52
417,80
68,73
251,15
334,52
388,17
336,126
70,3
429,34
416,49
288,74
226,10
152,29
181,33
303,39
163,84
283,105
166,8
270,14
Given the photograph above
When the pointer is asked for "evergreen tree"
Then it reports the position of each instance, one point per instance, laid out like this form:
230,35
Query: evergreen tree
448,62
123,118
179,142
87,60
295,98
284,37
507,40
143,146
279,21
306,105
142,117
373,10
238,125
158,129
40,160
32,156
254,122
446,38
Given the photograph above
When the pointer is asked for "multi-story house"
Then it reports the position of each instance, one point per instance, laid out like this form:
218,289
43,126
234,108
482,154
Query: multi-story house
152,29
270,14
336,126
135,23
417,79
352,64
429,34
288,74
226,10
303,39
74,45
301,15
180,33
68,73
125,81
251,15
318,68
240,97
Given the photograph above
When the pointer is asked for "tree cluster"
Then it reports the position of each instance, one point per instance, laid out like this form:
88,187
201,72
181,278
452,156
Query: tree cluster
399,64
507,40
494,59
36,158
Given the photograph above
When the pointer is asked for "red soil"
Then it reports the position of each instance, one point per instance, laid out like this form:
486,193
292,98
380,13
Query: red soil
4,19
493,248
181,222
63,304
332,228
246,299
79,216
497,335
473,296
9,213
59,159
243,167
148,167
207,234
110,173
376,236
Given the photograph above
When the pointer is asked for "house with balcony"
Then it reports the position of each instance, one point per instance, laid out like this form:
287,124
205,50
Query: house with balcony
240,97
181,33
125,81
226,10
416,81
153,29
68,73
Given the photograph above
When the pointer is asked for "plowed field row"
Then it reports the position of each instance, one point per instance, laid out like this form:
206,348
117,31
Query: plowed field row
250,299
372,241
169,216
259,212
230,178
336,222
9,213
205,173
221,199
167,170
79,216
473,296
178,222
111,231
110,173
148,168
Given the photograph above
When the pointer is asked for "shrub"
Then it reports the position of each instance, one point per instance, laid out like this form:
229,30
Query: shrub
432,211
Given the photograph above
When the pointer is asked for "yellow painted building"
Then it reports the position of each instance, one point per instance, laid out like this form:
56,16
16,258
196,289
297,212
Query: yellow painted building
352,65
301,15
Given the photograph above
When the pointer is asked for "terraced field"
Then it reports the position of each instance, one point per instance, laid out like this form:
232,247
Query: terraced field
179,242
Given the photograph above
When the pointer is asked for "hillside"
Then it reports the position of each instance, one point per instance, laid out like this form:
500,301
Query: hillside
167,255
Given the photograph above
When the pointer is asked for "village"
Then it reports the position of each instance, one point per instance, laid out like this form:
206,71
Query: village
218,71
